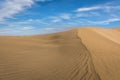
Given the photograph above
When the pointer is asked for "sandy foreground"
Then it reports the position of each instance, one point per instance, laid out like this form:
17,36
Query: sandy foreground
78,54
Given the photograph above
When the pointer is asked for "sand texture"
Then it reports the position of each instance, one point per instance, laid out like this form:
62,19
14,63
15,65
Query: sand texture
78,54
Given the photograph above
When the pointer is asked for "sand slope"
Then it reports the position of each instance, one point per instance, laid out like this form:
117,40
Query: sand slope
104,45
78,54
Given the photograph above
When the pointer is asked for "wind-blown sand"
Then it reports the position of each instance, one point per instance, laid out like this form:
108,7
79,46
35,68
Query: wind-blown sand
78,54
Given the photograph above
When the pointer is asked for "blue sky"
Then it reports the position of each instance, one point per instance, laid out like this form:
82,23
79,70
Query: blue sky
31,17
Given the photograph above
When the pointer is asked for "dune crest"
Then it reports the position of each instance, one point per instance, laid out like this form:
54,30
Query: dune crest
104,45
78,54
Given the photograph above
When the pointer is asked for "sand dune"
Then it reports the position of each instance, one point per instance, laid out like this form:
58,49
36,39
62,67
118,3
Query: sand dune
118,29
78,54
104,45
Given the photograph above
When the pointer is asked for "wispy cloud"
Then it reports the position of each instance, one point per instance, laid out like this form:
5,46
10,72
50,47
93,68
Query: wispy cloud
49,28
9,8
60,17
12,7
66,16
103,13
54,19
106,7
27,28
103,22
87,9
43,0
109,21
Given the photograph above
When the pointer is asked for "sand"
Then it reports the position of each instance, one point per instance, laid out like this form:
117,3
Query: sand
78,54
104,45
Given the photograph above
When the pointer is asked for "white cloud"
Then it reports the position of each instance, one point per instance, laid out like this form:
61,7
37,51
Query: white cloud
87,9
26,22
49,28
43,0
60,17
27,28
95,13
65,16
40,21
9,8
105,7
78,15
110,20
54,19
109,12
12,7
104,22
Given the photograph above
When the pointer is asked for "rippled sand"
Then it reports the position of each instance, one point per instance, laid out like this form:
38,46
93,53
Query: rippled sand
78,54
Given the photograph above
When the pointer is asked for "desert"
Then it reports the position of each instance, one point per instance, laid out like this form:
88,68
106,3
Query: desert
79,54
